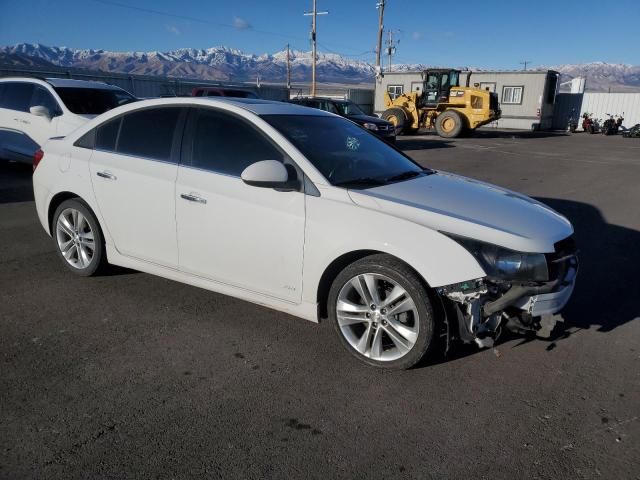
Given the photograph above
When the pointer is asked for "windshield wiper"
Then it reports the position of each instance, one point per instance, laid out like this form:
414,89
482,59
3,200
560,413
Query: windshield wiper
404,176
363,181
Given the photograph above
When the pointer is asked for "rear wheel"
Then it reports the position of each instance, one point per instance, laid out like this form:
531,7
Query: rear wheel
397,118
381,312
449,124
78,238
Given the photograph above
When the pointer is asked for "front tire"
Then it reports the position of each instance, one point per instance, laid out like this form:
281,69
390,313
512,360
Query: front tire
449,124
381,311
78,238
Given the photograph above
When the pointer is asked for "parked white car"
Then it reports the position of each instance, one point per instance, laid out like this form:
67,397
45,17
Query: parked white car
308,213
33,110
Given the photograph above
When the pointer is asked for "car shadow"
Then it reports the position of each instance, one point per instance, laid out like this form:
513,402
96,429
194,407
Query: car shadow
15,182
410,144
607,288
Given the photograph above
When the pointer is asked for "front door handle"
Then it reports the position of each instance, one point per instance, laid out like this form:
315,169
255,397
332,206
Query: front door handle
192,198
107,175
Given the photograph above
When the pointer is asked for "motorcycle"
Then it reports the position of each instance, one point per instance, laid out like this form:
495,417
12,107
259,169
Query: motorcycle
612,125
572,125
590,124
633,132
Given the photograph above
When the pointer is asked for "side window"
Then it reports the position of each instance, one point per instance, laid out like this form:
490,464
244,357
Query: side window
17,96
395,91
41,97
328,106
107,135
2,89
148,133
223,143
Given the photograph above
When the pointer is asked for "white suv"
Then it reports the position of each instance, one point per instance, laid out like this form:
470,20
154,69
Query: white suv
305,212
34,110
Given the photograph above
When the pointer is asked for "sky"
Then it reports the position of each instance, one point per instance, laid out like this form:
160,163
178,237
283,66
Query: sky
486,34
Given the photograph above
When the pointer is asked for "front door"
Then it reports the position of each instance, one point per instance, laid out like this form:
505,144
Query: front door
133,171
248,237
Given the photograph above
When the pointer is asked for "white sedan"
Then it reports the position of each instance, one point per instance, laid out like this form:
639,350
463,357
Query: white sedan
305,212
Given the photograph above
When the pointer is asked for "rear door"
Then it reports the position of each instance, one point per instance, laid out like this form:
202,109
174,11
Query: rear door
133,170
230,232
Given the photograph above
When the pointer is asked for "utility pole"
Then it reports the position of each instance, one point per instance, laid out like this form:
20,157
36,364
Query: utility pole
313,40
288,69
380,7
391,49
525,63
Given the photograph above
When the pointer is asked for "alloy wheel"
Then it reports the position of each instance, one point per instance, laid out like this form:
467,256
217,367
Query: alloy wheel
75,238
377,317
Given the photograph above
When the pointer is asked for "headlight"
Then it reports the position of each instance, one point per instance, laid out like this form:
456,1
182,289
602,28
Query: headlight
505,264
370,126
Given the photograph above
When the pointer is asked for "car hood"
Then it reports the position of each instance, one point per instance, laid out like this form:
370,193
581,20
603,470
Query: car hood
369,119
462,206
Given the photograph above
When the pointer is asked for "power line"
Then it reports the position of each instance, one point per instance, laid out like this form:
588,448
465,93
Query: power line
189,18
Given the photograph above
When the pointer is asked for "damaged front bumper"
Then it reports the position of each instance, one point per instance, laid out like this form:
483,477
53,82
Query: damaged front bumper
476,310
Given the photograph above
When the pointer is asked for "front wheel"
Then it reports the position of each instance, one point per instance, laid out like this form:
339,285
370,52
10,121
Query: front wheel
449,124
381,312
78,238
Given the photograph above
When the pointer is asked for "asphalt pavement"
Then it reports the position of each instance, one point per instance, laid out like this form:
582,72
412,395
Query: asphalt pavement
134,376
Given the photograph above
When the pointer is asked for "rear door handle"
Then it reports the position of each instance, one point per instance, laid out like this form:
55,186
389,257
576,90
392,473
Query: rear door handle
107,175
192,198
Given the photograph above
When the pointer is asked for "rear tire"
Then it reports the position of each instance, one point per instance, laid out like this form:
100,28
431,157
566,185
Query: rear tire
78,238
381,311
449,124
397,118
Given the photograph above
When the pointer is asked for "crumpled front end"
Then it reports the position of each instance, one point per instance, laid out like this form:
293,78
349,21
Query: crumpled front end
477,310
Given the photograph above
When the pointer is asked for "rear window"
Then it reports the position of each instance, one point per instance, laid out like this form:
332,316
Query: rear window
93,101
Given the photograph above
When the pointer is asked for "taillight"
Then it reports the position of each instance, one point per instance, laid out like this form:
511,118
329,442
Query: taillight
37,157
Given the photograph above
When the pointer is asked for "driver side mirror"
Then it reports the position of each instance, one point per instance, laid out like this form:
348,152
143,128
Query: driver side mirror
266,174
40,111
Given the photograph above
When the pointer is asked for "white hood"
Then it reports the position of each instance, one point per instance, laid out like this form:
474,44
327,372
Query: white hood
470,208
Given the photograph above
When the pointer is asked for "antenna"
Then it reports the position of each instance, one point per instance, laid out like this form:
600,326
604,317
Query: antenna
525,63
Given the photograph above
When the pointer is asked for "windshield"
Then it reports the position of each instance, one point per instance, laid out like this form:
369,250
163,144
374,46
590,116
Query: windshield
349,108
346,154
92,101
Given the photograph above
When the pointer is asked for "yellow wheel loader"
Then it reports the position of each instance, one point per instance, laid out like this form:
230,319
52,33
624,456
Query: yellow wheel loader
442,104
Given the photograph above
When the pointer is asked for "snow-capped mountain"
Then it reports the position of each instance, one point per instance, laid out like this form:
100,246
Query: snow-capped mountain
223,63
603,76
217,63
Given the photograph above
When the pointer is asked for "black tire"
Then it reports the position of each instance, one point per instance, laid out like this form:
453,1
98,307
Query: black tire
98,262
397,117
443,122
408,280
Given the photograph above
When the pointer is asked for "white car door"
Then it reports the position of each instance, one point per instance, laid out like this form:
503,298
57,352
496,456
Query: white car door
245,236
133,171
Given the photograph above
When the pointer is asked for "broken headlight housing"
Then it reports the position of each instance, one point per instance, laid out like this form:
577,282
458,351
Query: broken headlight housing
504,264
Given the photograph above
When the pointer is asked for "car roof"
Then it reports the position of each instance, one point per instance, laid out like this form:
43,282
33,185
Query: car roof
266,107
71,83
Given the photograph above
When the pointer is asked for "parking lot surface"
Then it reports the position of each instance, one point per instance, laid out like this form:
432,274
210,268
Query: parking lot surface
134,376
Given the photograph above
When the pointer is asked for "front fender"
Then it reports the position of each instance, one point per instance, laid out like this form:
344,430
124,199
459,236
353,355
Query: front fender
335,228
